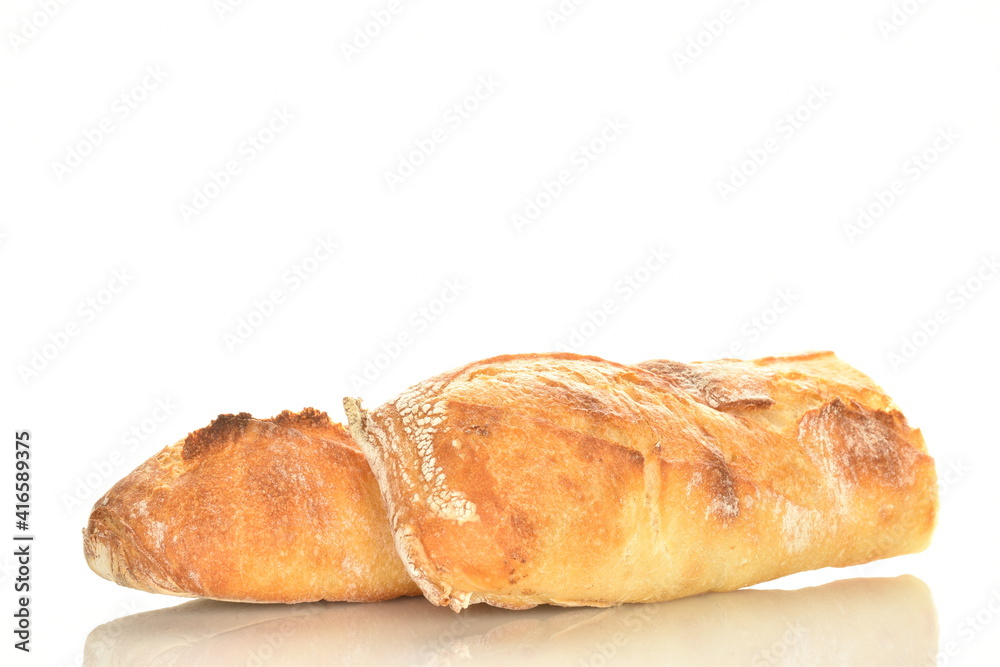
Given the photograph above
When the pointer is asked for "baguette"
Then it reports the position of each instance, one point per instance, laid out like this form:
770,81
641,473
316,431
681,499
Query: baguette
275,510
571,480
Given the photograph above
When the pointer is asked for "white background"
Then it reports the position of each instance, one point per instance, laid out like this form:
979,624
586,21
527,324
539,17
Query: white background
683,128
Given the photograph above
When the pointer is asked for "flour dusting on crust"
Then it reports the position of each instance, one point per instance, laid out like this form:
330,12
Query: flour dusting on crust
421,419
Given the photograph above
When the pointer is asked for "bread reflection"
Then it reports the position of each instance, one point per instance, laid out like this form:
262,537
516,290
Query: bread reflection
856,621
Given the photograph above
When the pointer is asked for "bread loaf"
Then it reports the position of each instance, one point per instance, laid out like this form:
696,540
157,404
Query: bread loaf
276,510
571,480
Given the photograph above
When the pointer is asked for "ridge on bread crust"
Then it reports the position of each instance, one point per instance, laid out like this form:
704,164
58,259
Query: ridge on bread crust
228,427
260,510
568,479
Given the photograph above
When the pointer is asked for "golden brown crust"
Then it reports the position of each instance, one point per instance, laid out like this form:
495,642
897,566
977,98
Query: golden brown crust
565,479
276,510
